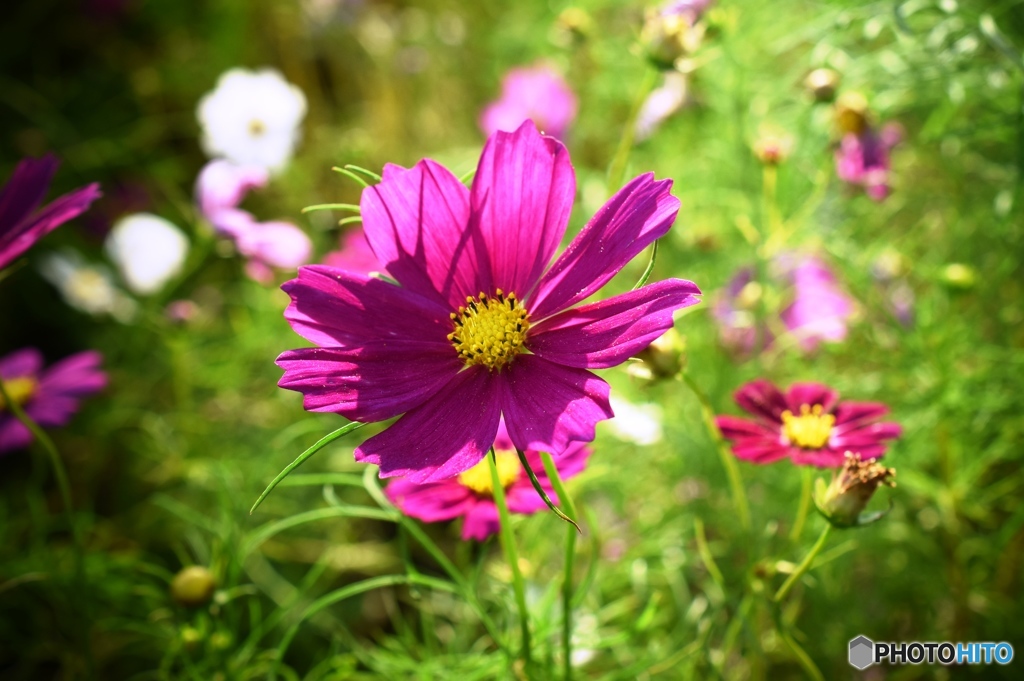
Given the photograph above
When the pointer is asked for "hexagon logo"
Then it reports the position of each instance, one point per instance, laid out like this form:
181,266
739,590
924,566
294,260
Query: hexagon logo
862,652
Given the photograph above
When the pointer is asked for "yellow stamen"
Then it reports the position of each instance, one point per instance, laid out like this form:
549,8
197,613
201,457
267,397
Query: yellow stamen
810,430
19,389
490,330
478,478
257,127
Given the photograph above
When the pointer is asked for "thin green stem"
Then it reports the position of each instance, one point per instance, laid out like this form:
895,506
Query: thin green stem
650,266
804,566
804,507
739,495
509,545
617,170
570,561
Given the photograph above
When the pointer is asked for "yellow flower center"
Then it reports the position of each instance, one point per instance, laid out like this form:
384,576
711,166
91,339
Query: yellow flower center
478,478
490,330
257,127
809,430
20,390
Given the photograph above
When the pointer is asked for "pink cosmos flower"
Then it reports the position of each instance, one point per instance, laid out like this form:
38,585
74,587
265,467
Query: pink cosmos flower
21,224
734,312
49,396
481,326
220,188
536,93
355,254
808,424
820,309
863,159
470,495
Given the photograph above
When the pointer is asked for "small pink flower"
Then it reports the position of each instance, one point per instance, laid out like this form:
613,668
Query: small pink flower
820,309
537,93
736,314
49,396
22,222
220,188
808,424
470,495
863,159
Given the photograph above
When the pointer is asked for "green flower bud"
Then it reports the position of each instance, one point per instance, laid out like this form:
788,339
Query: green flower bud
193,586
821,84
663,358
843,501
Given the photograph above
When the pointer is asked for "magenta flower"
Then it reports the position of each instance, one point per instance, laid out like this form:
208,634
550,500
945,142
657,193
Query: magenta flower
537,93
734,311
808,424
470,495
49,396
481,326
863,159
220,188
820,309
355,254
21,224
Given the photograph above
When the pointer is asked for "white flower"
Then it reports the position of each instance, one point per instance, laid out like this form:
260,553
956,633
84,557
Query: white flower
86,287
661,104
252,118
639,424
148,251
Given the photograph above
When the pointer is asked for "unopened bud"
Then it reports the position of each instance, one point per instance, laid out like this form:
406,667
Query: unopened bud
958,276
193,586
852,113
665,357
671,32
772,148
843,501
575,23
821,84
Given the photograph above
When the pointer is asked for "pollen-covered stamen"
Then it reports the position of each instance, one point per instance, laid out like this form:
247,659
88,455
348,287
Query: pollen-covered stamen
478,478
810,430
20,390
490,330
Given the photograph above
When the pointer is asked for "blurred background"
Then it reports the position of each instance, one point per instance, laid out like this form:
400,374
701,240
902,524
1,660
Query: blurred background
166,461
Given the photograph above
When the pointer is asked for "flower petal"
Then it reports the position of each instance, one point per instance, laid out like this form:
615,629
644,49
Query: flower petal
333,307
607,333
431,502
482,521
77,375
13,435
24,362
279,244
443,437
369,382
865,436
734,428
759,450
547,405
416,223
822,458
521,199
639,213
762,399
852,414
811,394
24,191
55,214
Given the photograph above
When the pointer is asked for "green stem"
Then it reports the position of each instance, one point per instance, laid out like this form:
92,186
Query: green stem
804,507
570,559
739,496
509,545
60,473
617,170
804,566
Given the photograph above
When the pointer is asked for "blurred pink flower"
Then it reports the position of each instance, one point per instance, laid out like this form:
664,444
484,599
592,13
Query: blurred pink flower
734,312
863,159
355,254
220,187
820,309
536,93
470,495
49,396
808,424
21,224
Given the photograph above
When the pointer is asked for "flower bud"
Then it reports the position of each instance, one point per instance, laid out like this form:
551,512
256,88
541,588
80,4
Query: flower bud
574,25
958,276
821,84
671,32
665,357
843,501
773,148
193,586
851,113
